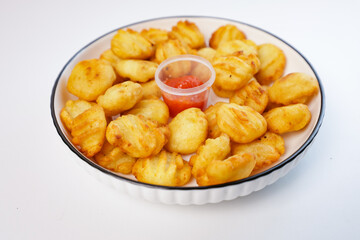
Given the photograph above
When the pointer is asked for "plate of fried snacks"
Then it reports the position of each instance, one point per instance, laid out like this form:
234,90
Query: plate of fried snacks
188,110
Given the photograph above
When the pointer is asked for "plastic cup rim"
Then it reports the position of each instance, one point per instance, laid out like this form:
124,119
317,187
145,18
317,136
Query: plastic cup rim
188,91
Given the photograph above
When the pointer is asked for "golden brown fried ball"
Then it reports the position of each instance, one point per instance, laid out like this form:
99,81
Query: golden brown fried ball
71,110
130,44
213,149
272,65
155,35
136,136
88,130
150,90
210,112
112,158
136,70
235,46
167,169
232,73
225,33
188,130
189,33
288,118
90,78
243,124
252,95
266,150
222,92
293,88
110,56
231,169
207,53
120,97
169,48
153,109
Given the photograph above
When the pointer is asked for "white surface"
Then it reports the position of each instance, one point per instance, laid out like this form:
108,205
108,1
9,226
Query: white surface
44,194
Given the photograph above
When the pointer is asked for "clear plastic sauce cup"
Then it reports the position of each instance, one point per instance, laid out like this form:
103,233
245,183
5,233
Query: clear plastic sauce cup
178,67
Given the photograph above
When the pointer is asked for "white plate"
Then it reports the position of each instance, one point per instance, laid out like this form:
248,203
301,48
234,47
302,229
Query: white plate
296,143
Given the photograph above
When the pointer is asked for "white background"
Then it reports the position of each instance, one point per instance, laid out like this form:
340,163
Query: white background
44,194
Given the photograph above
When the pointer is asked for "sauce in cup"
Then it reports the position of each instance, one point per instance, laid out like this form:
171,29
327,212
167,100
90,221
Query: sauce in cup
185,82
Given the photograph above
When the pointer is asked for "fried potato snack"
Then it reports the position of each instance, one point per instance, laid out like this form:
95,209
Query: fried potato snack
222,92
210,112
131,44
235,46
166,169
188,130
169,48
266,150
90,78
88,130
272,64
207,53
109,56
155,35
213,149
252,95
150,90
225,33
232,73
288,118
112,158
120,97
71,110
136,136
153,109
293,88
189,33
243,124
231,169
136,70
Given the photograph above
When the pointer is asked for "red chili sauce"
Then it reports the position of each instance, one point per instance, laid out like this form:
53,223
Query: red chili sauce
177,104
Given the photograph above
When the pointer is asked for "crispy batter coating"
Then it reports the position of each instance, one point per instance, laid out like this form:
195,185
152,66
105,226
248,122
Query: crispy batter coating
112,158
288,118
252,95
120,97
136,136
225,33
188,130
131,44
90,78
232,73
153,109
189,33
167,169
222,92
210,112
213,149
242,123
266,150
272,65
136,70
88,130
155,35
71,110
169,48
207,53
293,88
150,90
